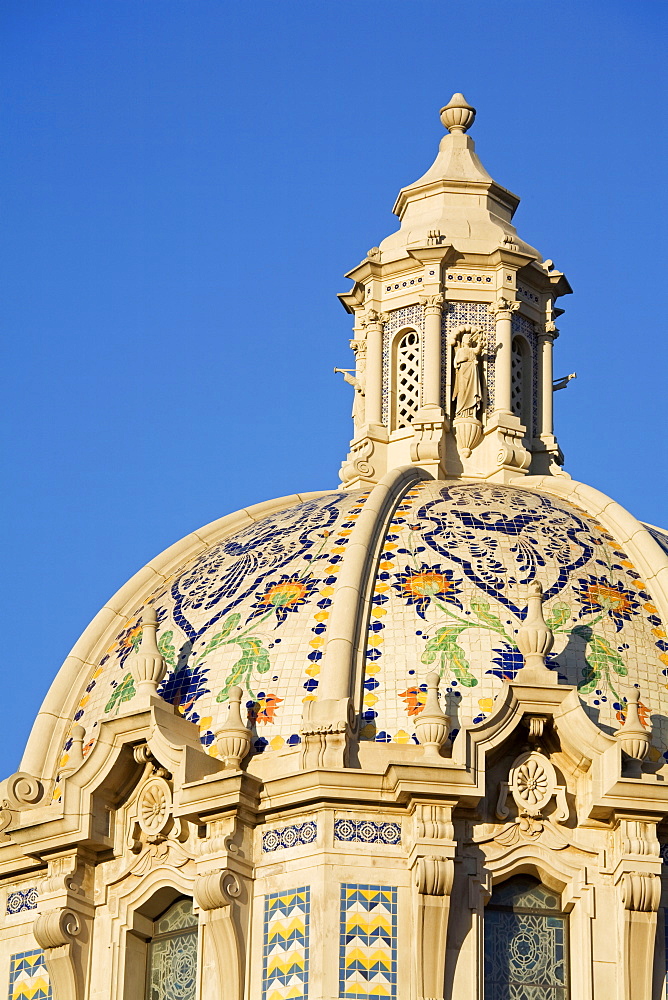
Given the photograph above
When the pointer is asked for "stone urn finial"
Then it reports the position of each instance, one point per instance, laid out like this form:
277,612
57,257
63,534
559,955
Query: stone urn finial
431,725
534,641
147,665
457,115
234,739
633,736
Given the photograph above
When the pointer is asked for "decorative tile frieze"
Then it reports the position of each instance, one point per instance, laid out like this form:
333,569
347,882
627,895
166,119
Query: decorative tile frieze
21,900
365,831
285,945
296,835
368,942
28,976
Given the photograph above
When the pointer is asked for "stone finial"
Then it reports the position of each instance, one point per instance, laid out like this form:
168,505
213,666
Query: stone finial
234,739
632,735
432,725
534,641
147,665
457,115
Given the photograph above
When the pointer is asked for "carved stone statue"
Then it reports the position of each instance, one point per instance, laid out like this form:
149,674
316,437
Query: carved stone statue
356,378
467,390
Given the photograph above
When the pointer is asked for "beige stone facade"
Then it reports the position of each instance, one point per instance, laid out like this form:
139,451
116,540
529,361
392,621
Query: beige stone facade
407,739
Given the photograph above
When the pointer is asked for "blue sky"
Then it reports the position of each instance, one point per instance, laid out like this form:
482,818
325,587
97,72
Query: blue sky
184,186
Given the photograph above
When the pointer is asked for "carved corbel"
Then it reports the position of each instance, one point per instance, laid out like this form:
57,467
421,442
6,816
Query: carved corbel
327,728
641,895
218,894
64,936
433,880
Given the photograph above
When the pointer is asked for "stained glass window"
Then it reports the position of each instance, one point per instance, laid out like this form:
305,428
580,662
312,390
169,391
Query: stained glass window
172,954
526,943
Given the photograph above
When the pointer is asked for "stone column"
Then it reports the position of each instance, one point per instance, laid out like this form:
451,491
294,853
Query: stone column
546,341
373,323
431,384
503,310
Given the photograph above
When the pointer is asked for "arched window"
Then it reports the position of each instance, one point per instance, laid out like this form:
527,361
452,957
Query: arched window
172,954
407,379
520,382
526,943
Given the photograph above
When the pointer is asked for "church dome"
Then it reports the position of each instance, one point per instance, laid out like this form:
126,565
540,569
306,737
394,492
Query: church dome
247,601
400,739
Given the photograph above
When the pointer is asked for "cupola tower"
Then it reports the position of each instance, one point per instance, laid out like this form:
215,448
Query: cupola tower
453,333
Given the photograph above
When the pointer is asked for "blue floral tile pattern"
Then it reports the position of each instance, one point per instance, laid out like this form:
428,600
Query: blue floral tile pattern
285,945
451,593
295,835
364,831
251,610
368,942
21,900
28,976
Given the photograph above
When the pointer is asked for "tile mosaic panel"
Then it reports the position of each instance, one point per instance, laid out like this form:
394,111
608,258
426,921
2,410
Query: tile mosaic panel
456,314
365,831
28,977
295,835
21,900
252,611
285,945
368,942
450,595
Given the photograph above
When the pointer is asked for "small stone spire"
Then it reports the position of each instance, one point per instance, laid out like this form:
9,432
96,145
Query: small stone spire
534,641
633,736
457,115
147,665
431,725
234,739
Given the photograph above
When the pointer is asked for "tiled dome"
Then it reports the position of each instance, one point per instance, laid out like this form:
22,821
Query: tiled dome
449,593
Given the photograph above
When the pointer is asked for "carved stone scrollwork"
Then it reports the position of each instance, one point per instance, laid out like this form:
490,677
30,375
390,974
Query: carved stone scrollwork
641,896
641,892
218,895
358,463
217,889
22,791
433,879
432,303
60,932
56,928
433,876
327,727
434,823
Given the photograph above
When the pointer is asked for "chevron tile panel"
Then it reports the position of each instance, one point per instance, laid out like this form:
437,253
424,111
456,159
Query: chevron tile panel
368,942
285,957
28,978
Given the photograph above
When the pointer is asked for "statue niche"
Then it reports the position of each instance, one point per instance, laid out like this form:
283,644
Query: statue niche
467,391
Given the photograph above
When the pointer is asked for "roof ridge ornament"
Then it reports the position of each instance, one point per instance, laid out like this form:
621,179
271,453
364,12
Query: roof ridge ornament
458,115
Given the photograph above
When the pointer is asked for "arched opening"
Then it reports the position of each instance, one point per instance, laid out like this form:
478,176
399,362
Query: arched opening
171,966
525,942
407,379
521,394
161,949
